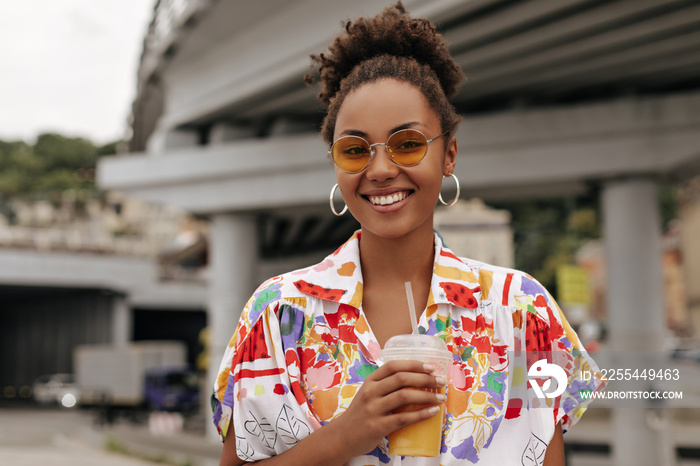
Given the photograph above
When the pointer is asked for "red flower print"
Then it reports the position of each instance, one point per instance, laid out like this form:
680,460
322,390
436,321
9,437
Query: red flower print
540,301
329,294
308,358
253,346
537,338
460,294
478,325
554,330
279,389
514,407
292,360
343,320
329,339
445,253
482,343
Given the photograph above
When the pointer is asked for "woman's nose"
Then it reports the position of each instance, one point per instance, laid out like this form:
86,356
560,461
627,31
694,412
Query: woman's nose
381,167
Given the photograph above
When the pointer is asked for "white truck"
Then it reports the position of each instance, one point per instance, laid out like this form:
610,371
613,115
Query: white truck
138,374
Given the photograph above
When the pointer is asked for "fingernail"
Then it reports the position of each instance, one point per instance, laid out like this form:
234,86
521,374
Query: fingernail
440,381
433,409
428,367
440,397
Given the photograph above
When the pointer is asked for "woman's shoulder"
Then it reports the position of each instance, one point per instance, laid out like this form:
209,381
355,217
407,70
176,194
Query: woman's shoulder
336,279
325,280
279,287
506,285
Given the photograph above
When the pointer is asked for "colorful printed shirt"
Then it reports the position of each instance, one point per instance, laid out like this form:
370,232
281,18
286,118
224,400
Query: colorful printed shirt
303,347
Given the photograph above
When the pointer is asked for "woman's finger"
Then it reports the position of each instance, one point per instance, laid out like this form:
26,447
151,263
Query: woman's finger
401,419
392,367
399,380
411,399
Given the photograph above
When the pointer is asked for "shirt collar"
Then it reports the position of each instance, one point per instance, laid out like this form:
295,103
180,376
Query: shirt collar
338,277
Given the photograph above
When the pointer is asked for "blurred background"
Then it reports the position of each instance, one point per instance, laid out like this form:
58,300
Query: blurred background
160,158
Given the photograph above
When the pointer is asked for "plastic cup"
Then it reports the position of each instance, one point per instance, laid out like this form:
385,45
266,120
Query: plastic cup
421,438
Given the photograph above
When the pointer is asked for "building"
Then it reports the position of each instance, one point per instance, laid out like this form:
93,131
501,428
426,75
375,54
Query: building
471,229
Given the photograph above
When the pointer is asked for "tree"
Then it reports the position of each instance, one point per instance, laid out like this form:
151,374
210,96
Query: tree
55,163
60,152
547,233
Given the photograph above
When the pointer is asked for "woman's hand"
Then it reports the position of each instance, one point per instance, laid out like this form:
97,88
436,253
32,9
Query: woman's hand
374,412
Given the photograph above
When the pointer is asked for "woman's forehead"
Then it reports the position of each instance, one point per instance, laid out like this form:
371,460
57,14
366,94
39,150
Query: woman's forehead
382,107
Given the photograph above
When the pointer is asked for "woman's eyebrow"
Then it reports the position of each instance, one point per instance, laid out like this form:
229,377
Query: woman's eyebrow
407,125
353,132
362,134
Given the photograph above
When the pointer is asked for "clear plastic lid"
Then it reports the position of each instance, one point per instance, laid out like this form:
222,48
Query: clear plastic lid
400,345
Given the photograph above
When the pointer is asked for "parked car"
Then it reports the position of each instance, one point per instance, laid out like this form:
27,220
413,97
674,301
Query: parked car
56,388
172,389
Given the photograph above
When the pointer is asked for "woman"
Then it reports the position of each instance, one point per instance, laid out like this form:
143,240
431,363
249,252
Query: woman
300,383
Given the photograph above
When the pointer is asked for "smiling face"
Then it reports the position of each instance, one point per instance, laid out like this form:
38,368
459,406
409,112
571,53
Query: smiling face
391,201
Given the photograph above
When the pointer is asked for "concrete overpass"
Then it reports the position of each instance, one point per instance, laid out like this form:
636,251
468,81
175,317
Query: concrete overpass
563,96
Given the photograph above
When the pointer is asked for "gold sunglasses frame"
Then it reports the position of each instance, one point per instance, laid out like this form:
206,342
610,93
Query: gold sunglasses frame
373,152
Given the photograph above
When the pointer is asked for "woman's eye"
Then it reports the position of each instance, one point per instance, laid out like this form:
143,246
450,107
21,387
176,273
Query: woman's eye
408,145
355,150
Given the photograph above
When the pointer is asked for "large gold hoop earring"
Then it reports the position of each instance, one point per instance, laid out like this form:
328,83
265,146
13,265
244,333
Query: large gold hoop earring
454,201
331,202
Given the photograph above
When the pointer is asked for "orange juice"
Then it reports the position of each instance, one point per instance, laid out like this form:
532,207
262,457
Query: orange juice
420,439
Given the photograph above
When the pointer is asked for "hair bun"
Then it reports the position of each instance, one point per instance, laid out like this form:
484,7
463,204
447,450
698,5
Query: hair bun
392,32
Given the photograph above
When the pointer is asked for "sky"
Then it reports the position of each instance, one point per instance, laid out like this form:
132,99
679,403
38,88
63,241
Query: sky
69,66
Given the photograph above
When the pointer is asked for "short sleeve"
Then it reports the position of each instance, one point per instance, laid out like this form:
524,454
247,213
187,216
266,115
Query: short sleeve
549,336
253,388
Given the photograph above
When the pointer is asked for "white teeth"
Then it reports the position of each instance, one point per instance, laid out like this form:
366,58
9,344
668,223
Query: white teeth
386,200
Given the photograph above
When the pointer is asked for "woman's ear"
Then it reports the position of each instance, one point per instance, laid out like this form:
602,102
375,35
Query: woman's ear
450,159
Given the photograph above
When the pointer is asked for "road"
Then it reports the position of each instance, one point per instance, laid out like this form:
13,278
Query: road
30,437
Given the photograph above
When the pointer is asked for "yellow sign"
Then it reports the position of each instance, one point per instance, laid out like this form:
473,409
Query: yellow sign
572,285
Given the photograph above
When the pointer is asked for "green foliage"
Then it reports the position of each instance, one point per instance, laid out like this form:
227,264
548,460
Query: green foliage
108,149
54,164
668,203
59,152
583,223
547,233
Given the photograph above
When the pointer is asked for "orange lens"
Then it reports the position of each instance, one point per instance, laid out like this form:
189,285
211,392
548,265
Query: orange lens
407,147
351,153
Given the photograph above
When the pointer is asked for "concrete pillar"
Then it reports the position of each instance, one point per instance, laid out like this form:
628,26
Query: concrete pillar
233,256
121,320
636,320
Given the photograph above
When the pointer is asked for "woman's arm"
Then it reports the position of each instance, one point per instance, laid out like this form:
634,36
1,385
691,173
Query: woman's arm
318,448
555,450
369,418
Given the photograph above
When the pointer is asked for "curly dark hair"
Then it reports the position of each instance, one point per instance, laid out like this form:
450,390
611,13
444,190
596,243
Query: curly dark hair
389,45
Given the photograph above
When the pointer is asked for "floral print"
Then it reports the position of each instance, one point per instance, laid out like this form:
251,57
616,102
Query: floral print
303,348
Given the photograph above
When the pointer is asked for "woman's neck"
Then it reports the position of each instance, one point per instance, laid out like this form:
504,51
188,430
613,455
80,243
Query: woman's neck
396,261
386,265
